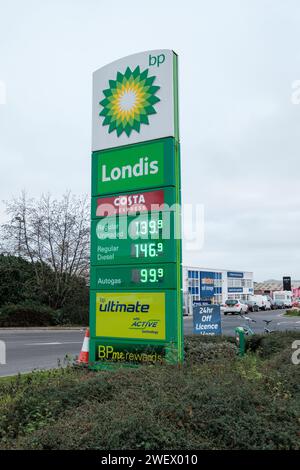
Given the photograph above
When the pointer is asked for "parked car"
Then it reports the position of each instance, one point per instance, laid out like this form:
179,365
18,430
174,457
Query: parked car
272,304
296,303
262,301
235,307
223,306
284,296
278,303
252,305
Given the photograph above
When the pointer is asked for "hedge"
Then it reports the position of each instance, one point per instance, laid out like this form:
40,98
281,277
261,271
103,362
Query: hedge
215,401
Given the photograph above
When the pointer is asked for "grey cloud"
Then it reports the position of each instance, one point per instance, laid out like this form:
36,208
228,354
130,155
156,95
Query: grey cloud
239,131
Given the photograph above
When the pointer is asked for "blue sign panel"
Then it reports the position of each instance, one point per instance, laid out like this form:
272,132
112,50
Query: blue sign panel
236,275
207,284
207,319
235,289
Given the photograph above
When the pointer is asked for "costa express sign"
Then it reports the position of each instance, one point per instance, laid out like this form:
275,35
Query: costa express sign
132,203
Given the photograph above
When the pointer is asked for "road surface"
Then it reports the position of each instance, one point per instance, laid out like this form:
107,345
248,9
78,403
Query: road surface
29,349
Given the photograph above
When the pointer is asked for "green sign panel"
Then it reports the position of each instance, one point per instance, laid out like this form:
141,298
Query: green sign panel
135,275
146,276
131,240
134,167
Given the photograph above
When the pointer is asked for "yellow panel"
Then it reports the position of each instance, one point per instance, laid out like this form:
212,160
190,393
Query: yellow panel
131,315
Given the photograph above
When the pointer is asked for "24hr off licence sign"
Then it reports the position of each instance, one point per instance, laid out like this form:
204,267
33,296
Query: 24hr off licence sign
135,308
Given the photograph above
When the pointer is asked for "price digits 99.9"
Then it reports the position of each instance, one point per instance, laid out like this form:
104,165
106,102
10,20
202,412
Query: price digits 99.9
148,275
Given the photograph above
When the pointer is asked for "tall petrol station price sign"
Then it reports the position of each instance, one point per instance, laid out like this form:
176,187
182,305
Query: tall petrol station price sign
136,285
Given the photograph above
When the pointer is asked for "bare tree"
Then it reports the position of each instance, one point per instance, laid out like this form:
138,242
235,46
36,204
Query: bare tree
51,234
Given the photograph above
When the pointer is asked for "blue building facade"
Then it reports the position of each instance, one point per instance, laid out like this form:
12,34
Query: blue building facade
216,285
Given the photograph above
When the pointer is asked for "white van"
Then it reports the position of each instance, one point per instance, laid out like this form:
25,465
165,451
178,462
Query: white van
283,297
261,301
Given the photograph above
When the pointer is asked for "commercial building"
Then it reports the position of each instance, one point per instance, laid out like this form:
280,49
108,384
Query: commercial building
216,285
268,287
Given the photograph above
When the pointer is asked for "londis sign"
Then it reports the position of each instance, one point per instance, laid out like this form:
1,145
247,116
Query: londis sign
136,167
135,100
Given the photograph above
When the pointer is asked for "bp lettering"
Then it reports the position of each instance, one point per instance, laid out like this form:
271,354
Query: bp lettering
156,60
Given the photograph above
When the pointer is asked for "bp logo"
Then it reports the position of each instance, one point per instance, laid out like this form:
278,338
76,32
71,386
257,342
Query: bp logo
129,101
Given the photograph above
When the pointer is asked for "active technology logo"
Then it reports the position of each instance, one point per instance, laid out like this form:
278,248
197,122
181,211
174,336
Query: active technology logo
129,100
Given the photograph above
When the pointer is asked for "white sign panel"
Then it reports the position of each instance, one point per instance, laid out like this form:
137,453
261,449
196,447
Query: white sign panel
135,99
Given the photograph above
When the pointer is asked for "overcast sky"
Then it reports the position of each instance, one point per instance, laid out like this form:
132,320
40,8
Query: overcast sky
240,132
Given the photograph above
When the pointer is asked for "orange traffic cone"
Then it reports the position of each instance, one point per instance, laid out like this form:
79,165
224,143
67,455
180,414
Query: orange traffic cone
84,353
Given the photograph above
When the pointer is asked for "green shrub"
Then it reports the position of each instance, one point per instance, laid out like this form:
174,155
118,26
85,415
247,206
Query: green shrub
293,313
74,315
27,314
17,280
161,408
18,286
208,349
268,345
215,401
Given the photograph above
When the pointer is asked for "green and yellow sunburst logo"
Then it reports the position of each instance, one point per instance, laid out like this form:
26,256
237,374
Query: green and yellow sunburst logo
129,100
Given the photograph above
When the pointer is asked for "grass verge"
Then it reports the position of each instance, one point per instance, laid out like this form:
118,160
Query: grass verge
292,313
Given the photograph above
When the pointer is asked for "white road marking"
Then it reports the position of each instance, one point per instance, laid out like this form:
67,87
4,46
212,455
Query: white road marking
53,344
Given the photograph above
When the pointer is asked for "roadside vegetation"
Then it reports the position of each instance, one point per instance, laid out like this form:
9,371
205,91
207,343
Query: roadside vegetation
23,303
293,312
44,261
215,401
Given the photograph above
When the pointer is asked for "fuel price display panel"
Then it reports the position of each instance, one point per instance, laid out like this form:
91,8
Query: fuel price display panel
142,239
147,276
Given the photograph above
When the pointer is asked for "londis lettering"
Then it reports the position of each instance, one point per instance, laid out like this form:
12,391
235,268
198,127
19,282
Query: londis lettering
142,168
